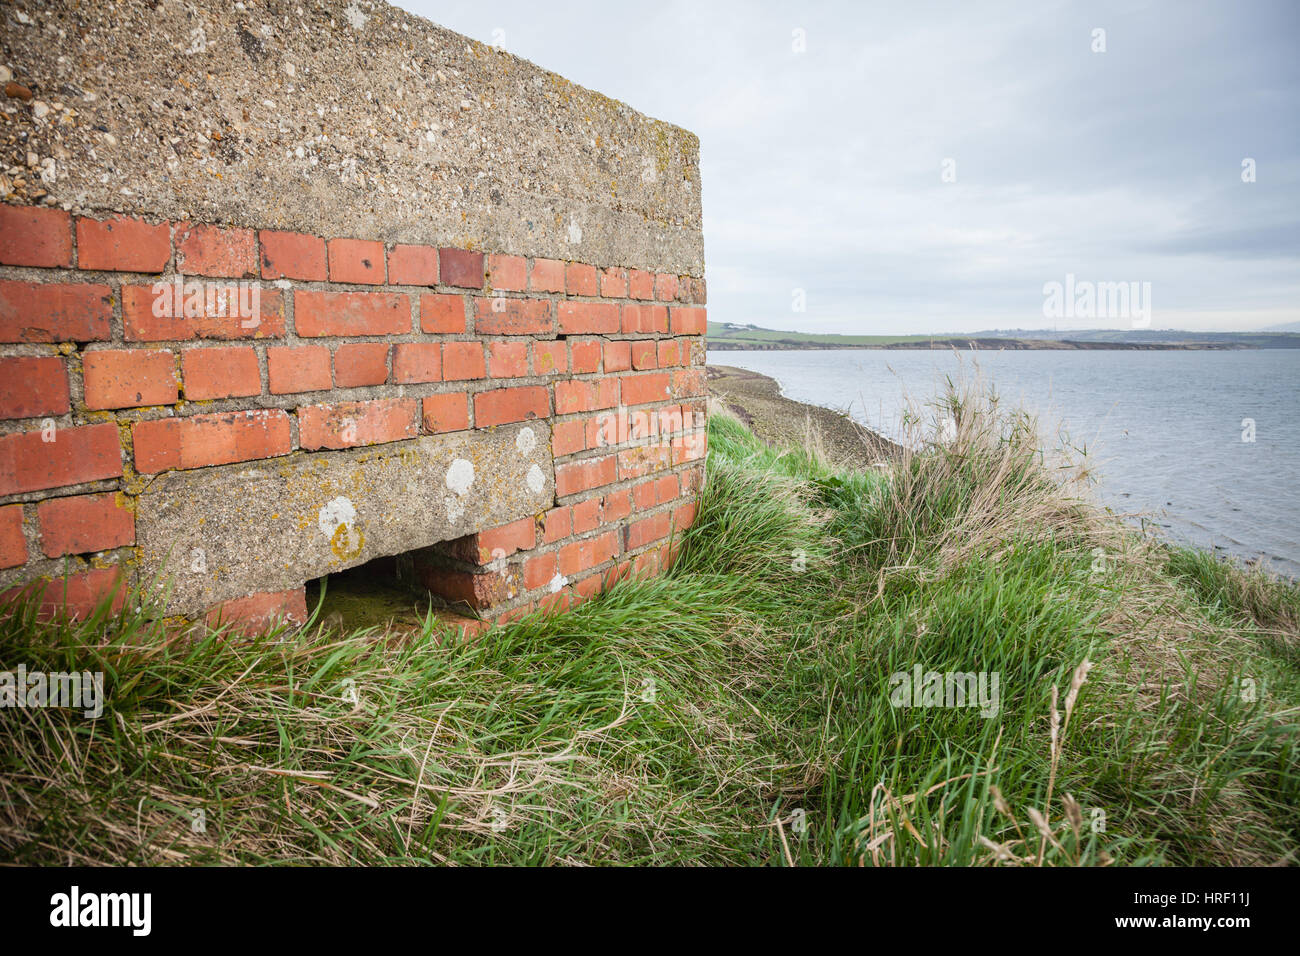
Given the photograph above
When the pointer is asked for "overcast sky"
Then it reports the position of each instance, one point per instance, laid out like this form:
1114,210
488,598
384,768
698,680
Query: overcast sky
823,169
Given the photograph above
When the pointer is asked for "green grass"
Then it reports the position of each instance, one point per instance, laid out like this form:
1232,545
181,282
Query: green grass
734,711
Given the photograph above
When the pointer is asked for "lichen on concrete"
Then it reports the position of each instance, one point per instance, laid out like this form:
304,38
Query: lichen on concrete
220,533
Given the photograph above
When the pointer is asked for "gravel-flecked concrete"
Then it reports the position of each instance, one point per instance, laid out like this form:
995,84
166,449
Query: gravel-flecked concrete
339,118
225,532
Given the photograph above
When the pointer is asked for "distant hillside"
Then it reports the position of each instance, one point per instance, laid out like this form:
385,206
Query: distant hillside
723,336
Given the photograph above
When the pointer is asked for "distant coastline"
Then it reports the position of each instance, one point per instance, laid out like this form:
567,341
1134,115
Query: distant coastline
726,336
986,344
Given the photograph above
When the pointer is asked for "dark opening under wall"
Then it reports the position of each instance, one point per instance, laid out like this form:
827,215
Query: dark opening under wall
381,594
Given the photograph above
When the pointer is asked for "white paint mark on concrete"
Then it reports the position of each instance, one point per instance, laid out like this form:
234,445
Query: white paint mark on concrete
460,476
535,479
356,17
334,513
526,440
558,582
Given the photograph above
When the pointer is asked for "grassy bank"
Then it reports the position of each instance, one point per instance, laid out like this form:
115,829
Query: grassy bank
735,711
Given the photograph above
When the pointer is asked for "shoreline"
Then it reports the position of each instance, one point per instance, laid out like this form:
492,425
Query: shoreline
757,401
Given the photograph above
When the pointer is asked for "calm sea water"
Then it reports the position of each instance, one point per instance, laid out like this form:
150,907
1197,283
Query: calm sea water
1165,428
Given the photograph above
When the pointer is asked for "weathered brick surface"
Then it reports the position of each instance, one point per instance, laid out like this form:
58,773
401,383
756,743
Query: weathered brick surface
85,523
46,312
35,237
203,440
123,244
355,343
33,385
127,378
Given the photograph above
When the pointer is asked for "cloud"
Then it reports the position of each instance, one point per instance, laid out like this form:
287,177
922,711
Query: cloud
822,169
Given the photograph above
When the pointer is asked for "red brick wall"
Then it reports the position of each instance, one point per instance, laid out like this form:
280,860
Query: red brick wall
357,342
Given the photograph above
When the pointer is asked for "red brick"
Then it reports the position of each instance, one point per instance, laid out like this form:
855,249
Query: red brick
539,570
597,318
644,355
645,319
85,524
579,476
76,455
496,543
30,236
462,360
673,352
477,589
588,587
690,447
586,516
616,506
129,378
619,572
304,368
507,359
292,255
33,385
644,460
204,250
646,564
558,602
350,424
613,283
507,273
583,555
417,362
643,495
413,265
203,440
665,287
568,437
351,313
361,363
123,244
504,405
689,382
220,373
641,285
77,595
586,355
557,524
152,313
648,530
618,356
41,312
448,412
356,260
689,321
13,546
581,279
573,395
258,613
547,276
460,267
502,316
684,516
665,488
692,480
443,314
640,389
550,357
